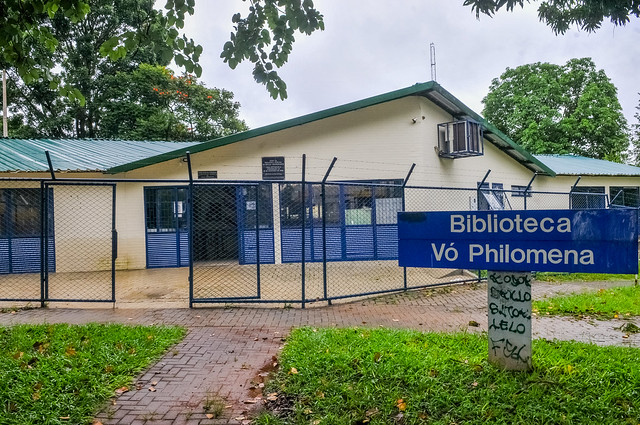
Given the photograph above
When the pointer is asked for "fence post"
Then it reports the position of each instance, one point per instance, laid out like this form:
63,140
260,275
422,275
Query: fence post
258,239
114,244
304,214
53,175
44,265
479,189
324,230
190,216
404,184
45,285
526,190
571,192
478,193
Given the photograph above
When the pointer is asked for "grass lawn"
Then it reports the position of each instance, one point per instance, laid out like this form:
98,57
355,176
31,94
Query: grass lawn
381,376
618,302
582,277
60,374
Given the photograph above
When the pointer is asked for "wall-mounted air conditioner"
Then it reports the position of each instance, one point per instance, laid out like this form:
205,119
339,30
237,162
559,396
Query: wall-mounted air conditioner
460,139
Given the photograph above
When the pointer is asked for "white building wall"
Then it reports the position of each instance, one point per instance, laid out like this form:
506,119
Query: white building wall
374,143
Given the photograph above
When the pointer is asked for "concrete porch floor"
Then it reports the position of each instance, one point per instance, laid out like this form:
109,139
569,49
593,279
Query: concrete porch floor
279,284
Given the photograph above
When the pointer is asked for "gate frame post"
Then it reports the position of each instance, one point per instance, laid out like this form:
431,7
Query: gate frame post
324,229
44,264
114,245
304,217
258,238
190,215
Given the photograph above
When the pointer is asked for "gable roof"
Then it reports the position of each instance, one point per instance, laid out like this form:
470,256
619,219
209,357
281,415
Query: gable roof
576,165
78,154
430,90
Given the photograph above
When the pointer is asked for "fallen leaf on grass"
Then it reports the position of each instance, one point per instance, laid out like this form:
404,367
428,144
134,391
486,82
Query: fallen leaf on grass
293,371
401,405
371,412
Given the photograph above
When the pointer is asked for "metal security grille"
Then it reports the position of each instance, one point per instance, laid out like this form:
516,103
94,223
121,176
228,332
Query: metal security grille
81,230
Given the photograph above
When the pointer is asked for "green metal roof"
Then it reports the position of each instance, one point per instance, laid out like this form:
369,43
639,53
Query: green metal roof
430,90
78,154
575,165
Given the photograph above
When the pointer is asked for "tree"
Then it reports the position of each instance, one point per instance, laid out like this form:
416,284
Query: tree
635,137
264,37
39,111
571,108
82,67
151,103
561,14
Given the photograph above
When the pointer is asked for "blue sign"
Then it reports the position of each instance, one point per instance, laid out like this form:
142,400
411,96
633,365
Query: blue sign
585,241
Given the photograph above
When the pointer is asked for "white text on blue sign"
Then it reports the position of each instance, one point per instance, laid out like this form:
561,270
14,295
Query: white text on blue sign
603,241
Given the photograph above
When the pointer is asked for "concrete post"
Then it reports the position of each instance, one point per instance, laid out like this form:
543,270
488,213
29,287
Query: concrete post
510,320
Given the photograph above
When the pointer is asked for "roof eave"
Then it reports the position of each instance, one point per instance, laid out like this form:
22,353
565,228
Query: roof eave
430,90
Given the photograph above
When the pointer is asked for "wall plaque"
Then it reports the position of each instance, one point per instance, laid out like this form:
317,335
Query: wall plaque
273,168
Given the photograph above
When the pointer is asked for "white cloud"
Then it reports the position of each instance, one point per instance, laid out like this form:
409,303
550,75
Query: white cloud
371,47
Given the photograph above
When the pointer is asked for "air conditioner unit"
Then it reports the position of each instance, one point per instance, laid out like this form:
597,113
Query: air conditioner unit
460,139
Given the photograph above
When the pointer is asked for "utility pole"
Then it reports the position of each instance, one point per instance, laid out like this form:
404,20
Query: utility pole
5,128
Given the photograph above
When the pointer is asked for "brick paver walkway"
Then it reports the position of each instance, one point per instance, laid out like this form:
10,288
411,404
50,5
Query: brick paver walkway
226,350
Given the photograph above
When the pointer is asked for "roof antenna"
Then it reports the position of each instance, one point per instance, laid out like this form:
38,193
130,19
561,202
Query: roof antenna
432,50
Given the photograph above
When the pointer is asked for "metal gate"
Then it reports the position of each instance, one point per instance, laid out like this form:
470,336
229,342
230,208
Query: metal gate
231,236
80,227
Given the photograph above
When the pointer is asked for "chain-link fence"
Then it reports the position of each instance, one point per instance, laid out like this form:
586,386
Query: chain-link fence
57,241
303,242
289,242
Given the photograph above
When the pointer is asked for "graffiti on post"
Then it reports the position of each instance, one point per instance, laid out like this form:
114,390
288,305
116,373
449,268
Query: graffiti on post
510,320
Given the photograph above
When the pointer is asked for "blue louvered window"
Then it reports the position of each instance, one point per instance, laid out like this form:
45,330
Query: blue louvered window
21,230
167,226
360,221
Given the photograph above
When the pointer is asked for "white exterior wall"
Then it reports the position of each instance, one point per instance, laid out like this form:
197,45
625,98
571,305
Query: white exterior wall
377,142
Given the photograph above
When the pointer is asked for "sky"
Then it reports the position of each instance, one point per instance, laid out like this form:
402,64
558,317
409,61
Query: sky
371,47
